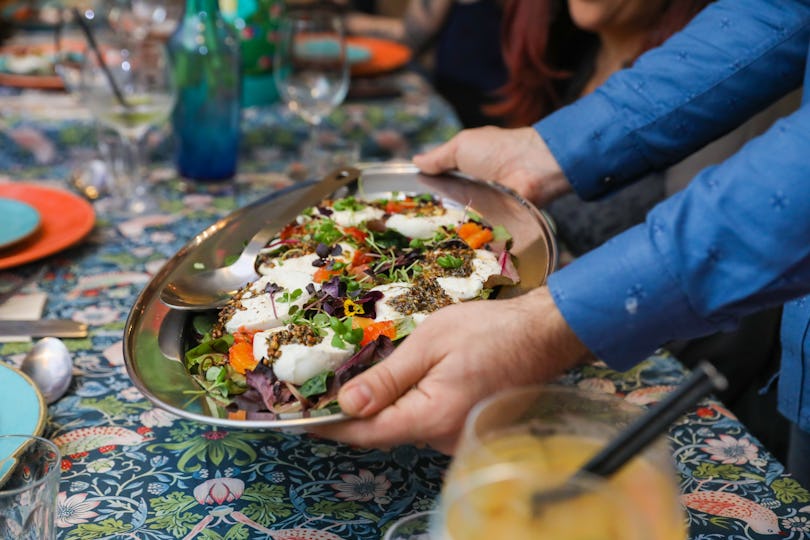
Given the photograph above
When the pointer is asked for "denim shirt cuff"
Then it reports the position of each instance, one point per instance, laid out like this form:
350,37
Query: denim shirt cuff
622,301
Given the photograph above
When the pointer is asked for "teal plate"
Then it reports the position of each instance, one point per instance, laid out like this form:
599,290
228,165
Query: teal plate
329,48
18,221
25,416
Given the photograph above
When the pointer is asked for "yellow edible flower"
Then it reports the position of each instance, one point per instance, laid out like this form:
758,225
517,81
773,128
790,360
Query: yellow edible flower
351,308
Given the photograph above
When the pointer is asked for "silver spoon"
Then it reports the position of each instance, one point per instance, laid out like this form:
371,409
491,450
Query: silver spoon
213,288
49,365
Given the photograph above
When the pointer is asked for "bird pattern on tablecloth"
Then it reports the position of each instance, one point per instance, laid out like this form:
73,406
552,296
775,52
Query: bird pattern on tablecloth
287,534
720,503
103,438
647,396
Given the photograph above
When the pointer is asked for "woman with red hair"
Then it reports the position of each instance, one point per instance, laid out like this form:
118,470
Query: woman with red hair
557,50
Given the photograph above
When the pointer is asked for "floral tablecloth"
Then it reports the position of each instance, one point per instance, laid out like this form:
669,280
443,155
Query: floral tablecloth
131,470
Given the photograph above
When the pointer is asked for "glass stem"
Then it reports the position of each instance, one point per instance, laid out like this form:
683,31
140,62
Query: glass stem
315,137
130,184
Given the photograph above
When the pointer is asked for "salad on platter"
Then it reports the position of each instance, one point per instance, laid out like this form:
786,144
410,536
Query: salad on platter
337,289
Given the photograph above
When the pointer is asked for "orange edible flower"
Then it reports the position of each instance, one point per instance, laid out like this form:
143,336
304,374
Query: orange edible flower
360,258
397,207
466,229
474,234
361,322
478,239
377,329
324,274
243,335
241,358
356,233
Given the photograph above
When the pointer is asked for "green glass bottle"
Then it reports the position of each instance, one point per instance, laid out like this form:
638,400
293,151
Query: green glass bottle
205,58
257,22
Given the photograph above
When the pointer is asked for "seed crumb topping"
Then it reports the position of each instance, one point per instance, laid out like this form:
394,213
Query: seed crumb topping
301,334
425,296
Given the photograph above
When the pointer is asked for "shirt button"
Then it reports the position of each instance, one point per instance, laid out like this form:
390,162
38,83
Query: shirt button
607,180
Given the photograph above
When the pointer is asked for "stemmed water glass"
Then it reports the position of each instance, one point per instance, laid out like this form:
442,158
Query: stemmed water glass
312,70
143,101
127,88
146,19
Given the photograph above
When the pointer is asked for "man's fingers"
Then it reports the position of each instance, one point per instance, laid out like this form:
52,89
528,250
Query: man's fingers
405,422
440,159
382,384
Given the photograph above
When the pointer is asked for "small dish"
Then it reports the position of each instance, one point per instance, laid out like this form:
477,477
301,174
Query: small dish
18,221
26,417
355,53
384,55
34,65
65,220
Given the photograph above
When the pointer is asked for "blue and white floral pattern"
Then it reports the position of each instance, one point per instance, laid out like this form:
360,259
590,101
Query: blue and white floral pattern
131,470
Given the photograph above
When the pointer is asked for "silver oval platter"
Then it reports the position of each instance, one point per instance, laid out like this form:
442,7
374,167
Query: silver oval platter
156,337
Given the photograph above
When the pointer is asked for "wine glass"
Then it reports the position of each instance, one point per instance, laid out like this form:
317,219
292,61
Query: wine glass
312,70
146,19
126,87
548,430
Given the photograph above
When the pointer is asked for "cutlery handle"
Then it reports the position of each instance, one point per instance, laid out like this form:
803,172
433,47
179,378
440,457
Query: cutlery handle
43,328
24,282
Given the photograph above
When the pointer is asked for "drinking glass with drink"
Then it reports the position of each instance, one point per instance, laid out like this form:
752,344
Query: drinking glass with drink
545,434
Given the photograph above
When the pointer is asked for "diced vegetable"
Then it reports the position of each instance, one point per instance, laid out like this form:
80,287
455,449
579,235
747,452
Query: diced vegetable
478,239
474,234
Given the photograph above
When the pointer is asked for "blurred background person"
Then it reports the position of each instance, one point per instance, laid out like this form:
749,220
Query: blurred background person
456,45
559,50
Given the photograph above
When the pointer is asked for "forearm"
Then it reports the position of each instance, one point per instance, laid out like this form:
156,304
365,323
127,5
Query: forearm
423,20
735,241
375,25
556,345
735,57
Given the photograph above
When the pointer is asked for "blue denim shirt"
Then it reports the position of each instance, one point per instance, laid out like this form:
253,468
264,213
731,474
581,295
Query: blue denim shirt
738,238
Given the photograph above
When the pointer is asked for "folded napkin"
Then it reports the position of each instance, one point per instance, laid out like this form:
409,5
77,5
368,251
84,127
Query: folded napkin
27,307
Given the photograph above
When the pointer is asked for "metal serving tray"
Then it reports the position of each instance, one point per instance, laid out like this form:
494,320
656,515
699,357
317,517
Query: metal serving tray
156,337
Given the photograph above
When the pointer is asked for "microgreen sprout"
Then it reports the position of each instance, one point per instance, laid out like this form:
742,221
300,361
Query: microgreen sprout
449,261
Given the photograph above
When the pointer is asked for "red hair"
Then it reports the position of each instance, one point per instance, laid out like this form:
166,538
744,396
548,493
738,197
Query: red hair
543,49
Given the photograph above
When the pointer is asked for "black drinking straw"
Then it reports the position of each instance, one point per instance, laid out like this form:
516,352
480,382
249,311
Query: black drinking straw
91,40
703,380
640,433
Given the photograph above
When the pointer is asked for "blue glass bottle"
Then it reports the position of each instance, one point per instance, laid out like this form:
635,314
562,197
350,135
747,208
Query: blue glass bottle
205,59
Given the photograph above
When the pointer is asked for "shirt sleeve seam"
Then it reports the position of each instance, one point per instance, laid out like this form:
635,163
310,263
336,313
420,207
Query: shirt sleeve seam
634,131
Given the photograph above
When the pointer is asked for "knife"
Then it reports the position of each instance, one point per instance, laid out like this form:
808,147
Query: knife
20,285
43,328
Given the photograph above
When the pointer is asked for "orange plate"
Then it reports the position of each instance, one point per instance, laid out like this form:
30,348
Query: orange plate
66,219
42,82
385,55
